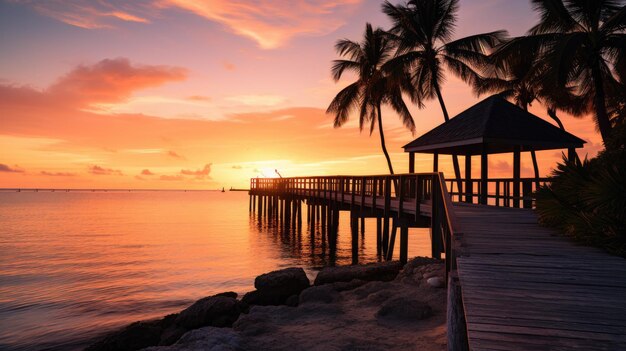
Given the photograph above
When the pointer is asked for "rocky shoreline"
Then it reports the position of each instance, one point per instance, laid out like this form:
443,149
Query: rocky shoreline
381,306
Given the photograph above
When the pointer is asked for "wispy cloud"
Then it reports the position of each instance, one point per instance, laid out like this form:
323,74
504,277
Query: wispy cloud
272,23
9,169
174,154
229,66
90,14
98,170
58,174
199,173
200,98
146,172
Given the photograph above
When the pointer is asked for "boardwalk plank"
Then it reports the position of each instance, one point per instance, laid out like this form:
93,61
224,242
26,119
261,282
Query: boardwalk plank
526,288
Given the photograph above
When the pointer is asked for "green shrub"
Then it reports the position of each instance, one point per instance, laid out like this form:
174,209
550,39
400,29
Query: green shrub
587,200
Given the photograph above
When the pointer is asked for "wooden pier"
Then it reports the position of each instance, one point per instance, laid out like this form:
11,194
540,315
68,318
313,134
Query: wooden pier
512,285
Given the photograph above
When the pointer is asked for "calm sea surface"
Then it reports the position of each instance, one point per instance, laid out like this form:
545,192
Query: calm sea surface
76,264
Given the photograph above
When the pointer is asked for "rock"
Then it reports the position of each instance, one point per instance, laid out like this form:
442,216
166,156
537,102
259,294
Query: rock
292,279
402,308
252,324
171,334
379,297
385,271
228,294
416,266
135,336
207,338
215,311
370,288
430,274
324,293
436,282
276,287
353,284
263,298
292,301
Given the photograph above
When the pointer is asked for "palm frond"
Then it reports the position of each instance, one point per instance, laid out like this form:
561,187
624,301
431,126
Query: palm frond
339,66
349,48
555,17
463,71
344,102
446,16
480,43
615,23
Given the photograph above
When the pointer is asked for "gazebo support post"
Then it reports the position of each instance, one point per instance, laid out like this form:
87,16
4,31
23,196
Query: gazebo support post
533,155
468,178
411,162
571,153
435,161
516,175
484,175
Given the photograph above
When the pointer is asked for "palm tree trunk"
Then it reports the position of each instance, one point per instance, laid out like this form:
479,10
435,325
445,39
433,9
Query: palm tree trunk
382,139
533,155
602,117
552,114
446,117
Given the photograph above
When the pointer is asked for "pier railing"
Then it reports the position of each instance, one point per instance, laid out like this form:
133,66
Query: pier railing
498,191
406,198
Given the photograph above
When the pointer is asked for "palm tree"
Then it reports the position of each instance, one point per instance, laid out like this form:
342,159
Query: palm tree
583,47
376,84
421,31
513,72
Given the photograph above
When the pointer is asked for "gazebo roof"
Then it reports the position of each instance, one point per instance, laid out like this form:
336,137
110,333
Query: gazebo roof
496,125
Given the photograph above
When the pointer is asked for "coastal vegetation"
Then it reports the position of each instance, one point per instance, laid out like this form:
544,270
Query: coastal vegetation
587,199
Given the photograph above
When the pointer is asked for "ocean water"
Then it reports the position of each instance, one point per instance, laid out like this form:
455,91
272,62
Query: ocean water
74,265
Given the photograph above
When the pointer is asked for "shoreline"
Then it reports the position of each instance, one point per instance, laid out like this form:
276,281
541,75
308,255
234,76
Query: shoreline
366,307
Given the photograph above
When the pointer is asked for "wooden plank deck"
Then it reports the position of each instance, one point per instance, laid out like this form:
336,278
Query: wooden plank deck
525,288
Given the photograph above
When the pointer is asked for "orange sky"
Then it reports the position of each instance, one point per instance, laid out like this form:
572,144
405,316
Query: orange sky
200,94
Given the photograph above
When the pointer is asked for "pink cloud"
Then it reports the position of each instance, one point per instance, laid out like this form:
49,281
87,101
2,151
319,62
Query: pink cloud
111,80
58,174
9,169
97,170
229,66
199,173
91,14
272,23
200,98
174,154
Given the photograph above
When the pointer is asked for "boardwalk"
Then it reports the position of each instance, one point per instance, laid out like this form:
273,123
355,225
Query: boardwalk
526,289
513,285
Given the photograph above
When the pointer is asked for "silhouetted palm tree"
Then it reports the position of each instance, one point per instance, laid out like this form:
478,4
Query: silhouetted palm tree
375,84
583,47
421,31
514,72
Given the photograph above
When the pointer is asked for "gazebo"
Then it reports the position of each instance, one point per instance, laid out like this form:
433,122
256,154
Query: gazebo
492,126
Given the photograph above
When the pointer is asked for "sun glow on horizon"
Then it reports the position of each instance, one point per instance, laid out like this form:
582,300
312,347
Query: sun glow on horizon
226,94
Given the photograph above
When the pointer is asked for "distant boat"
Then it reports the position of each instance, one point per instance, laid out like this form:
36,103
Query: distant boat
223,190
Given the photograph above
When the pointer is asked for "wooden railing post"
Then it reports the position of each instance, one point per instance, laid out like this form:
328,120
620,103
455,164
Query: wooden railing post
435,218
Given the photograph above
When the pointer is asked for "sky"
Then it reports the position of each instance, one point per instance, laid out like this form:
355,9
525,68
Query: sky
205,94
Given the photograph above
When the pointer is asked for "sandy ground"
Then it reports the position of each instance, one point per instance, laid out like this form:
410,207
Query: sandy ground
330,320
